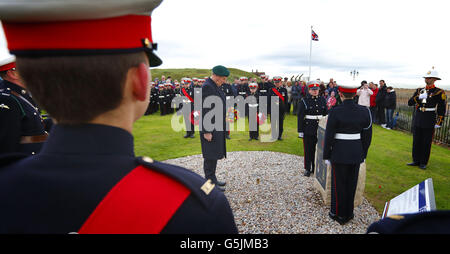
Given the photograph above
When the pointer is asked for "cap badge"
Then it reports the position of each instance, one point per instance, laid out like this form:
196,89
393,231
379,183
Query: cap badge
429,72
146,42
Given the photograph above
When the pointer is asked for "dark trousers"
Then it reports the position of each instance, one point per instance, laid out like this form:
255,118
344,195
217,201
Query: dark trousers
422,138
277,125
373,112
209,167
255,133
344,178
381,115
309,148
188,123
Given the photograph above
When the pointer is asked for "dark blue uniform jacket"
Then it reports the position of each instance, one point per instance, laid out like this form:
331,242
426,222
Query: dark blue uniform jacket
348,118
55,191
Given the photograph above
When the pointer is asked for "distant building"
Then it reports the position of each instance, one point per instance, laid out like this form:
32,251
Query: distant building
257,73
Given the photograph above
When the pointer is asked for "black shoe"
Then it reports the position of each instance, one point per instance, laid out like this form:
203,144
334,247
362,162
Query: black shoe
250,139
221,183
423,166
307,173
192,135
413,164
227,137
187,135
256,138
332,215
280,139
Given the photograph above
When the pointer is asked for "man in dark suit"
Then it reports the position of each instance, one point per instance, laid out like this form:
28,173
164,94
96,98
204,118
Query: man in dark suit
347,139
212,130
86,178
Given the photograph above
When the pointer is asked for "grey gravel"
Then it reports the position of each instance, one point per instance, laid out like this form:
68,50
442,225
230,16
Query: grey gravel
269,195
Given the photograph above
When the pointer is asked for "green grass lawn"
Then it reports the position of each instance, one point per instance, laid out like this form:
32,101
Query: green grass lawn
387,173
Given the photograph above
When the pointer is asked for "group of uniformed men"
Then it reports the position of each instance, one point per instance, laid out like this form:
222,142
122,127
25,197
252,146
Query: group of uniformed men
86,178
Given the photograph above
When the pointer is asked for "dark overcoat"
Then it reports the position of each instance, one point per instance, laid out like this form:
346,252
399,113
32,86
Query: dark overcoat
216,148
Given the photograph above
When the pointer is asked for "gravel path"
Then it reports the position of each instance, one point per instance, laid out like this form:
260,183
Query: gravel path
269,194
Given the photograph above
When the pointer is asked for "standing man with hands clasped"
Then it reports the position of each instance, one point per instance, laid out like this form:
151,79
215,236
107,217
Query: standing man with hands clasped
213,126
347,139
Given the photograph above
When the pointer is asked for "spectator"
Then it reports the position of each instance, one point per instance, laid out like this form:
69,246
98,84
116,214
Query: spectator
304,90
330,84
289,92
322,88
331,100
373,103
390,105
380,103
364,94
296,96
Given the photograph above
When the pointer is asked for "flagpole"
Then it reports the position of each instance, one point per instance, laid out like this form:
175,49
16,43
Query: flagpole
310,53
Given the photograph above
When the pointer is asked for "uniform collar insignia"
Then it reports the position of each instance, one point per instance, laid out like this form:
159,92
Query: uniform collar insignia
207,187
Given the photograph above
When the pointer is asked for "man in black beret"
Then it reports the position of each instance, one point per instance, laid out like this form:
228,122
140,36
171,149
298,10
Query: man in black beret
213,139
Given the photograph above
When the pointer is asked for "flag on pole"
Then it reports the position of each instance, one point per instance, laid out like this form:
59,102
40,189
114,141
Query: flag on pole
314,36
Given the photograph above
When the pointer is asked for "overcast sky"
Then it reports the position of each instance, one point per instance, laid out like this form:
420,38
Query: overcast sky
395,40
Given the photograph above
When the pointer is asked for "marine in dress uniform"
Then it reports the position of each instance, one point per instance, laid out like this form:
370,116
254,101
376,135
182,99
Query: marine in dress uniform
22,128
347,139
169,96
311,109
188,107
430,106
280,93
242,91
252,110
86,178
229,95
162,101
213,141
153,99
264,90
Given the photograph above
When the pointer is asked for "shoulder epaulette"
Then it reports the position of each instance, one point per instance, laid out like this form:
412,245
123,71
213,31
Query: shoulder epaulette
203,189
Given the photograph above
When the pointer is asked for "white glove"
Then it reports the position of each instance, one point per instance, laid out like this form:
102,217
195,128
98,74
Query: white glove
423,96
328,162
300,134
437,126
196,114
